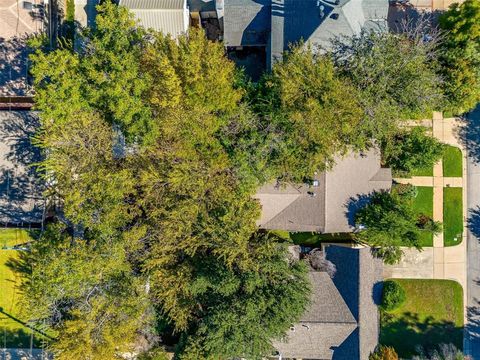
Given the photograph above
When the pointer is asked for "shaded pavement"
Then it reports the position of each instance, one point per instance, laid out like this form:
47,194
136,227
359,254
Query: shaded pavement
471,136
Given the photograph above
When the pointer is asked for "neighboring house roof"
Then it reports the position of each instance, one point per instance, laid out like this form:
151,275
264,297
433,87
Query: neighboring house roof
168,16
329,207
246,22
279,23
20,188
342,321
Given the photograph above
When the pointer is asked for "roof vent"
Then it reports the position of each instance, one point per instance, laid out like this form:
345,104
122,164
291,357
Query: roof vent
311,193
315,183
334,16
322,11
292,328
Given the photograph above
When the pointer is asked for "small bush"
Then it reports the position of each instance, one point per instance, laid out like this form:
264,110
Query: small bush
384,353
393,295
408,191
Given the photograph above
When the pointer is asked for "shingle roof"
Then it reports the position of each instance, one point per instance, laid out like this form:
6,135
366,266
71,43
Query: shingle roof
246,22
329,207
168,16
20,187
279,23
359,280
342,321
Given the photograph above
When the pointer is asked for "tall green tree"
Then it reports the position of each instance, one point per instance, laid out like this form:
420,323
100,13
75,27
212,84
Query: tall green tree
313,114
411,150
460,55
171,212
395,75
389,222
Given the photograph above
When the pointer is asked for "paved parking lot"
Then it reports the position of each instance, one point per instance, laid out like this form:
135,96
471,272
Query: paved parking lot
18,20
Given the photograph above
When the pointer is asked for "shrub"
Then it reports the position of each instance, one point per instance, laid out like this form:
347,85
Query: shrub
393,295
408,191
384,353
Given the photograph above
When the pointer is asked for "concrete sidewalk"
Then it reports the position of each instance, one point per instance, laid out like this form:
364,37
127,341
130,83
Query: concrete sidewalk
438,262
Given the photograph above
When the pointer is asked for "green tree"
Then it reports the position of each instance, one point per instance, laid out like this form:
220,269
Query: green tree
313,114
411,150
388,222
395,75
172,212
84,293
460,55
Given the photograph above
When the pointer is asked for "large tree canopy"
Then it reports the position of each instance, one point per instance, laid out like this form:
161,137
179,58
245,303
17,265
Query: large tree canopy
140,134
460,55
395,75
314,113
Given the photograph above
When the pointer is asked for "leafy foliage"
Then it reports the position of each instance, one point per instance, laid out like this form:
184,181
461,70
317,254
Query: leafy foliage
460,55
393,295
384,353
141,135
389,222
395,75
411,150
314,113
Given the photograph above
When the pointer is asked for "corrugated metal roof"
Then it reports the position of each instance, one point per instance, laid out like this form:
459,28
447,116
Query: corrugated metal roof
171,22
153,4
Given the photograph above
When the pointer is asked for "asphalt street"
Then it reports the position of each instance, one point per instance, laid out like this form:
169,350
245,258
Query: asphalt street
472,328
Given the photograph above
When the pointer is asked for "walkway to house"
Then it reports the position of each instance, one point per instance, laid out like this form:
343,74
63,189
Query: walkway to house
438,262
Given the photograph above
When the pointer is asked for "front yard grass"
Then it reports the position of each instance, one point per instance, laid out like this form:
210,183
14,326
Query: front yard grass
13,332
452,162
423,204
452,216
432,314
11,237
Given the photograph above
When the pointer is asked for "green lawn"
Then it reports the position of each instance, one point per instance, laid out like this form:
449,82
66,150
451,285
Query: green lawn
432,314
428,171
11,237
452,216
452,162
311,238
16,334
423,204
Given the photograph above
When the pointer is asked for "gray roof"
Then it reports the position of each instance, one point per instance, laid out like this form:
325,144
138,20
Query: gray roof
279,23
246,22
168,16
20,188
329,207
342,321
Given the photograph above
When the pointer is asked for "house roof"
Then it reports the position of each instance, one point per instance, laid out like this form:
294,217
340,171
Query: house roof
279,23
342,320
246,22
20,188
329,207
168,16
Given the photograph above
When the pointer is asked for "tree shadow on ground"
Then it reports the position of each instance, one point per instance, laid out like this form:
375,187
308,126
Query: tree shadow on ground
14,77
473,222
406,333
472,327
469,133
